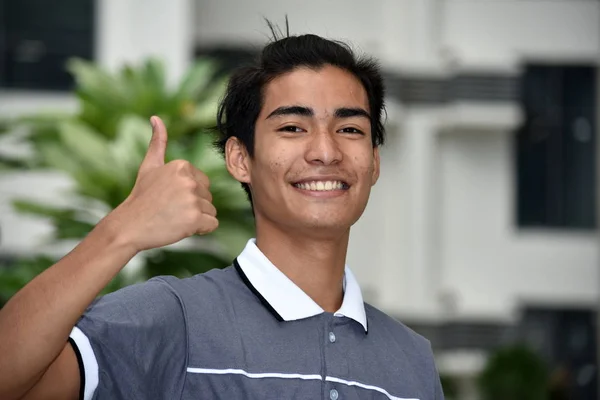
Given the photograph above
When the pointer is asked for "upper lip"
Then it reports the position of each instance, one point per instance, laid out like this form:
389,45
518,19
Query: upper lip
322,178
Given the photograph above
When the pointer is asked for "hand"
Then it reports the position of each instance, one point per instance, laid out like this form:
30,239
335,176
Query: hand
169,202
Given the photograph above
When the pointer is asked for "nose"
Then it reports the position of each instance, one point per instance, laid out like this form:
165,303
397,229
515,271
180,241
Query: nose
323,148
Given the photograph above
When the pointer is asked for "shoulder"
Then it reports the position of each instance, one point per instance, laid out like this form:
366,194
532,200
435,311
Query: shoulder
405,344
159,295
206,288
209,281
381,324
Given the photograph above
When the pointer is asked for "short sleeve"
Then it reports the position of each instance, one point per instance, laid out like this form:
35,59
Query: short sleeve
132,344
437,382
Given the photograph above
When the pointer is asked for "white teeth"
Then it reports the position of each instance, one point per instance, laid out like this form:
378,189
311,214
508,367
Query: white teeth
321,186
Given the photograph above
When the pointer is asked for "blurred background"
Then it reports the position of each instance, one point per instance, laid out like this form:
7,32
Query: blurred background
482,231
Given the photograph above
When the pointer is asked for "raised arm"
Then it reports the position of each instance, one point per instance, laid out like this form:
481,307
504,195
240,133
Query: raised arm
168,203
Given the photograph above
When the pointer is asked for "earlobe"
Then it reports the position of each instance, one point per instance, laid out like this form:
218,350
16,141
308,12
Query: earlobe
237,160
376,166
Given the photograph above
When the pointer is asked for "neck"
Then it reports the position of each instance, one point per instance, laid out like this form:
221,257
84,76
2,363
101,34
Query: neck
315,265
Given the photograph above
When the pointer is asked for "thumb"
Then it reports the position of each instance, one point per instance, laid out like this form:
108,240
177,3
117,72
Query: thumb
155,156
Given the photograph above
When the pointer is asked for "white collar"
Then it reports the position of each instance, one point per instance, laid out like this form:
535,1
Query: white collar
286,299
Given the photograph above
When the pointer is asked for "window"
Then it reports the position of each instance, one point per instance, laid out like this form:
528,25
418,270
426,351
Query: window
566,339
37,37
556,148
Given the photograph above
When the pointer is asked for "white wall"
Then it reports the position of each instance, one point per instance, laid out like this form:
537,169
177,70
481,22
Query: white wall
236,22
499,34
439,238
430,36
130,31
20,234
401,33
487,263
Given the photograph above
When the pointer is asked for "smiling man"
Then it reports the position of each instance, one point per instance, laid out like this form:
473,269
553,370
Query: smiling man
301,131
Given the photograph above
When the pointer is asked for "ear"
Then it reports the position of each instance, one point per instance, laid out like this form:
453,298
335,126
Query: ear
376,166
237,160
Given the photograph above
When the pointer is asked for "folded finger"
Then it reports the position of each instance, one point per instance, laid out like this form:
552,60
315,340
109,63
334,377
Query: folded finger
208,208
201,177
204,193
207,224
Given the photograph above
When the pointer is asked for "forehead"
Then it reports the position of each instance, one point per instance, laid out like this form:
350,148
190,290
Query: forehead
323,89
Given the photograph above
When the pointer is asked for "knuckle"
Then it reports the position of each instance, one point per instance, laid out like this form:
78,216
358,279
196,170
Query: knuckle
189,184
195,214
209,224
206,194
212,210
180,165
207,207
202,177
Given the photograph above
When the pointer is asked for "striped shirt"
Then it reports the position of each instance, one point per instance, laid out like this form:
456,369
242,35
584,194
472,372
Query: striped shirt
246,332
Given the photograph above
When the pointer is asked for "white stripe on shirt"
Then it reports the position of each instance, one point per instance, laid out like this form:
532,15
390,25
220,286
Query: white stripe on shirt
90,364
210,371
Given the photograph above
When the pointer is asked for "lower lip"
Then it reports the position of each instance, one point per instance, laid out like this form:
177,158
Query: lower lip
322,193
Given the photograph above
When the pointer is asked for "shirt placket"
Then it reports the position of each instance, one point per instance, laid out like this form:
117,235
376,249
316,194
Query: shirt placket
332,361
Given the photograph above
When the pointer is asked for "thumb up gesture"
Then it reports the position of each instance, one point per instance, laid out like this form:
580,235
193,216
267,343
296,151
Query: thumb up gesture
169,202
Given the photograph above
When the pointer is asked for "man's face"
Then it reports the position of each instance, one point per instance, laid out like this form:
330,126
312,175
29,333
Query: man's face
314,162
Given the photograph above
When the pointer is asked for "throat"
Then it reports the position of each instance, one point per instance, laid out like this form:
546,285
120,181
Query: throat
315,266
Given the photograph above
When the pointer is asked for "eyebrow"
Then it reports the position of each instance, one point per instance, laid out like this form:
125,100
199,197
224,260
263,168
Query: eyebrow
343,112
346,112
292,110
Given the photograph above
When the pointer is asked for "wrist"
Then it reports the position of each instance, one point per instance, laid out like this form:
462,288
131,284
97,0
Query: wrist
113,231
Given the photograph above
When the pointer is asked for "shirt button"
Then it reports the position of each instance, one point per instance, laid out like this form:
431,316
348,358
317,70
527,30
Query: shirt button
333,394
331,337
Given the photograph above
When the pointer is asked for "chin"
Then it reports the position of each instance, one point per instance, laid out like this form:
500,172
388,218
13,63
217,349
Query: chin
326,221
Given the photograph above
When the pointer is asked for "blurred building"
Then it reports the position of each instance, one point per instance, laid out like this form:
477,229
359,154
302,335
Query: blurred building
482,229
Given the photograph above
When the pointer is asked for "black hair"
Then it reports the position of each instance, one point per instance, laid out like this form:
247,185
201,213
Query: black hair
243,99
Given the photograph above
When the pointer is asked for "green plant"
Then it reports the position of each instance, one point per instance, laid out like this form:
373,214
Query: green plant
449,386
514,372
101,147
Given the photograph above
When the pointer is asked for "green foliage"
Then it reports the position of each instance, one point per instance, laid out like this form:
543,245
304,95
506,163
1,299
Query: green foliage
514,372
16,276
449,386
101,147
106,98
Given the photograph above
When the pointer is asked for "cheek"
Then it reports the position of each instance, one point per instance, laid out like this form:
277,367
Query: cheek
364,165
279,160
272,166
276,165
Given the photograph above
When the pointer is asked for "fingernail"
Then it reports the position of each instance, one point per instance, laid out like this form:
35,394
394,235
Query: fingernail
153,122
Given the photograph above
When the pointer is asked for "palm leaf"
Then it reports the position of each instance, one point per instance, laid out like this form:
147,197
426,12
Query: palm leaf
68,223
102,145
196,80
8,162
130,144
89,149
183,263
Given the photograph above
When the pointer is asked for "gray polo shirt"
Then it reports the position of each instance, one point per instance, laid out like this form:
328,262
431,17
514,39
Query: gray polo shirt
246,332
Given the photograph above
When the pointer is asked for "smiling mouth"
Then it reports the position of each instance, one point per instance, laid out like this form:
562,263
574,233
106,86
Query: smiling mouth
322,186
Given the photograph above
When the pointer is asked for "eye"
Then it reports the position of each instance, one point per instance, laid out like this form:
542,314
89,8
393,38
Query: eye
290,128
351,130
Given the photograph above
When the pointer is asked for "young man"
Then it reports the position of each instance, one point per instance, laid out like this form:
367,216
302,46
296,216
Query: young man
301,131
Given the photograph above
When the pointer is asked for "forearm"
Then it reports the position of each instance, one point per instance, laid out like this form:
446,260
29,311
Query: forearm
36,322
